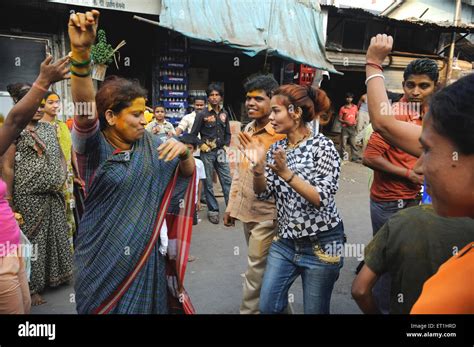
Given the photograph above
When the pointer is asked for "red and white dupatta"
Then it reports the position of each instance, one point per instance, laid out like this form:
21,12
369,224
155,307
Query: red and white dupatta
179,241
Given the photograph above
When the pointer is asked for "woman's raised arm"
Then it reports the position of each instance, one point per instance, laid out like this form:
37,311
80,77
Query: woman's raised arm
82,29
21,114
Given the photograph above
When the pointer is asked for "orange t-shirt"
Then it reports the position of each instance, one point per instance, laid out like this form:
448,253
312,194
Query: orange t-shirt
385,186
69,123
348,114
451,289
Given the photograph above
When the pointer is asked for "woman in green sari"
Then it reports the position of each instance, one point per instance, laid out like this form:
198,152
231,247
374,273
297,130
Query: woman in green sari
51,110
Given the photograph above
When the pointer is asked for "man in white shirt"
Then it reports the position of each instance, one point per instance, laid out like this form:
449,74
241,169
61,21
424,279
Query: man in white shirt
186,123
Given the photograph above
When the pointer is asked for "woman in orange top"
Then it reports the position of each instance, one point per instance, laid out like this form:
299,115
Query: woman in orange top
457,274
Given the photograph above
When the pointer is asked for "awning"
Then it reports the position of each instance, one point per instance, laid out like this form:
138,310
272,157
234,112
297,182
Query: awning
292,29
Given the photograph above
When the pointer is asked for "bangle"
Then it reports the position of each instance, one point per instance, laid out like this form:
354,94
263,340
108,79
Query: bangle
39,87
185,155
373,76
291,178
407,174
77,74
79,63
377,66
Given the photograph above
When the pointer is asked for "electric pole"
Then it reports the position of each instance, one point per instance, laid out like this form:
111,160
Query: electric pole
457,21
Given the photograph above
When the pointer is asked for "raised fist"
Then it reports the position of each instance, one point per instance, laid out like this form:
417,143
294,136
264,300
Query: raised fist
379,48
82,28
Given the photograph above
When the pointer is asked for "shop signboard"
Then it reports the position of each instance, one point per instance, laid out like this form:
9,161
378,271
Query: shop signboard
152,7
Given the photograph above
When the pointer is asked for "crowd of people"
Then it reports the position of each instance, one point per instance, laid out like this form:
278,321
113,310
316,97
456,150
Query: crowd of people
125,244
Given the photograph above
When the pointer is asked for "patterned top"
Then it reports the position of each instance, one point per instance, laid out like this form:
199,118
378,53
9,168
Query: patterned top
316,161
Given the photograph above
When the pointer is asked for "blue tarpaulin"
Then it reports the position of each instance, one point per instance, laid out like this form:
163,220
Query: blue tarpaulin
291,29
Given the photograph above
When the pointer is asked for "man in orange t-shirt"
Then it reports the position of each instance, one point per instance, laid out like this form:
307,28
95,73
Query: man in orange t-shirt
457,274
396,186
348,118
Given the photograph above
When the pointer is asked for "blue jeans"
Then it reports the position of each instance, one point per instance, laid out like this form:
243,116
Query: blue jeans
216,160
380,213
317,261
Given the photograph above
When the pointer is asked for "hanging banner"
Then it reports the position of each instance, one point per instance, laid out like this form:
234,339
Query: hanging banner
143,6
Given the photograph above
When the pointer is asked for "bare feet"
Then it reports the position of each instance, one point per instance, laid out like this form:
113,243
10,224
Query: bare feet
37,300
191,258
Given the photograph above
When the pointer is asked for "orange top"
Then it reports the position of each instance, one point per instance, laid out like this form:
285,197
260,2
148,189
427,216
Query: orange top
348,114
451,289
69,122
385,186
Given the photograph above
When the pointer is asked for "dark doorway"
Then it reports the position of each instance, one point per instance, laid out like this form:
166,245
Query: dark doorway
338,86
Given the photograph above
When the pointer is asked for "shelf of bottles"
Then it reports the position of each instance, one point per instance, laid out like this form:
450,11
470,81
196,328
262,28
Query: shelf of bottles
197,92
174,63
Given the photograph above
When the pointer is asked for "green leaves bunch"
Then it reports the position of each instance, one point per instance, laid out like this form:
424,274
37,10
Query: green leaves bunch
102,52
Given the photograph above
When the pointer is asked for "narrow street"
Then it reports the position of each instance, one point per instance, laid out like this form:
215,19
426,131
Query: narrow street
214,279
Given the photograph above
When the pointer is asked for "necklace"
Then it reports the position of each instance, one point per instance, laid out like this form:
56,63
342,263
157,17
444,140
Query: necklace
294,145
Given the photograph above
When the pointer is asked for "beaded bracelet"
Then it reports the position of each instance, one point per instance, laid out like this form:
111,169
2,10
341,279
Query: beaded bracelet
377,66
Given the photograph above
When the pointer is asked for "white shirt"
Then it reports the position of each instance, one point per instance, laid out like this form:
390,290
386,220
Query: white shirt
186,123
164,238
200,174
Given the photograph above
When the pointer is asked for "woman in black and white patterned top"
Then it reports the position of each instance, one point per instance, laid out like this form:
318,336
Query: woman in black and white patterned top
301,172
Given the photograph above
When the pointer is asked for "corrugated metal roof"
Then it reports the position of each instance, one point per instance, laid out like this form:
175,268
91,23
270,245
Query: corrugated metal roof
292,29
444,26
